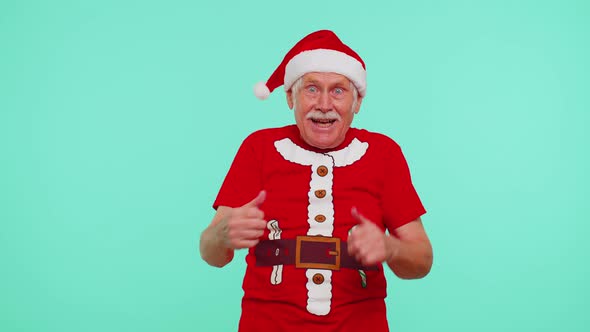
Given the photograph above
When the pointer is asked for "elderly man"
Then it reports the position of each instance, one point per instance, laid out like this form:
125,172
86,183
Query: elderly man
319,205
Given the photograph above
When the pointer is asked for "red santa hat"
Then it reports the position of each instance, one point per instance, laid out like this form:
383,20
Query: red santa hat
320,51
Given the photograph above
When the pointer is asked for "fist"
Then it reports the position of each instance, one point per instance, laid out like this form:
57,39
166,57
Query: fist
243,226
367,242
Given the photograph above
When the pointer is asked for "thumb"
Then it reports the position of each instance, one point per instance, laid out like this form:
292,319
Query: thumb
256,202
356,215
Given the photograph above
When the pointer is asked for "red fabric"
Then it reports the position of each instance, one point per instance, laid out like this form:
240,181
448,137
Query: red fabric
258,316
378,184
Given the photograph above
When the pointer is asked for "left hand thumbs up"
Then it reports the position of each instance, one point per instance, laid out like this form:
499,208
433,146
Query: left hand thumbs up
367,242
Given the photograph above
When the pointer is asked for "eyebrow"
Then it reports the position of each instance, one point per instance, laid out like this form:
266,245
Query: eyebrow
340,84
310,82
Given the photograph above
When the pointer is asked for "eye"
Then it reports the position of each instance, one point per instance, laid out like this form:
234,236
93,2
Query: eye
312,89
338,91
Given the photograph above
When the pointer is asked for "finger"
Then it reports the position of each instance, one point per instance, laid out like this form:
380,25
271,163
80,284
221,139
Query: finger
351,247
355,249
368,261
256,223
254,212
366,255
238,225
358,216
241,244
256,202
355,240
359,257
375,258
251,234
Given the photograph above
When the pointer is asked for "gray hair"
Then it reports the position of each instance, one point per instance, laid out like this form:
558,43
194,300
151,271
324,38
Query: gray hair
297,86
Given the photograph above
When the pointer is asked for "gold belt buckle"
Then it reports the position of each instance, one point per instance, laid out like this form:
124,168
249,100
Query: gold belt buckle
322,239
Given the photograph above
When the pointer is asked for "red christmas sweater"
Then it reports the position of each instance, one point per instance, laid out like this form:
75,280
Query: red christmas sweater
299,277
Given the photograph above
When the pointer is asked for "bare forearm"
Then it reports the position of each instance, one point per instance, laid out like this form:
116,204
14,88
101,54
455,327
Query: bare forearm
233,228
409,259
212,249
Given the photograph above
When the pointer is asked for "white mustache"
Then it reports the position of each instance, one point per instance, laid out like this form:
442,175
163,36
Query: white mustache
319,115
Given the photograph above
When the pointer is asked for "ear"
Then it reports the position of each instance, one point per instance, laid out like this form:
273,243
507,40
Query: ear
290,98
357,108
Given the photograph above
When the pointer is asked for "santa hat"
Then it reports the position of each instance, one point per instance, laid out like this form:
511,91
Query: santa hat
320,51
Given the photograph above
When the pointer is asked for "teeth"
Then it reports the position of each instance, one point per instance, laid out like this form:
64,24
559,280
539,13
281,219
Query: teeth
323,123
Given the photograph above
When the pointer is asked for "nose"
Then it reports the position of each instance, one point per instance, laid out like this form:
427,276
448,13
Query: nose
324,102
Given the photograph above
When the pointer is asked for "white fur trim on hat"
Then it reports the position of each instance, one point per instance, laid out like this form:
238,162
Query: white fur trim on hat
261,91
324,60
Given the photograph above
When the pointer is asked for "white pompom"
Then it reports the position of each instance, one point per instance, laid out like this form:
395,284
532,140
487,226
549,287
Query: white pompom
261,91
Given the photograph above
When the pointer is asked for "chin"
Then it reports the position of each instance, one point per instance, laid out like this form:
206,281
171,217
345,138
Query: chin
323,144
322,138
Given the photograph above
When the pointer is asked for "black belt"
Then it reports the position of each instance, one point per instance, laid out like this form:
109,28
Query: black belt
308,252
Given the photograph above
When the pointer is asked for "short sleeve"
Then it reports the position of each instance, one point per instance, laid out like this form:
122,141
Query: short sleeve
243,180
400,201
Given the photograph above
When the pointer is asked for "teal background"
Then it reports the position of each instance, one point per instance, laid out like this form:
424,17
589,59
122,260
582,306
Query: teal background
119,120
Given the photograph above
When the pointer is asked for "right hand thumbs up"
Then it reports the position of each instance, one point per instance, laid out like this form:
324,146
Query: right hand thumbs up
245,225
257,201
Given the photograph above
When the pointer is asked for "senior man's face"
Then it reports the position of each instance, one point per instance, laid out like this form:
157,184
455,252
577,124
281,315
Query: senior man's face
324,108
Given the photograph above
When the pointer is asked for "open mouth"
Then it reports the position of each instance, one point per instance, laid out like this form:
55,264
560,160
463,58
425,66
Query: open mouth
324,123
